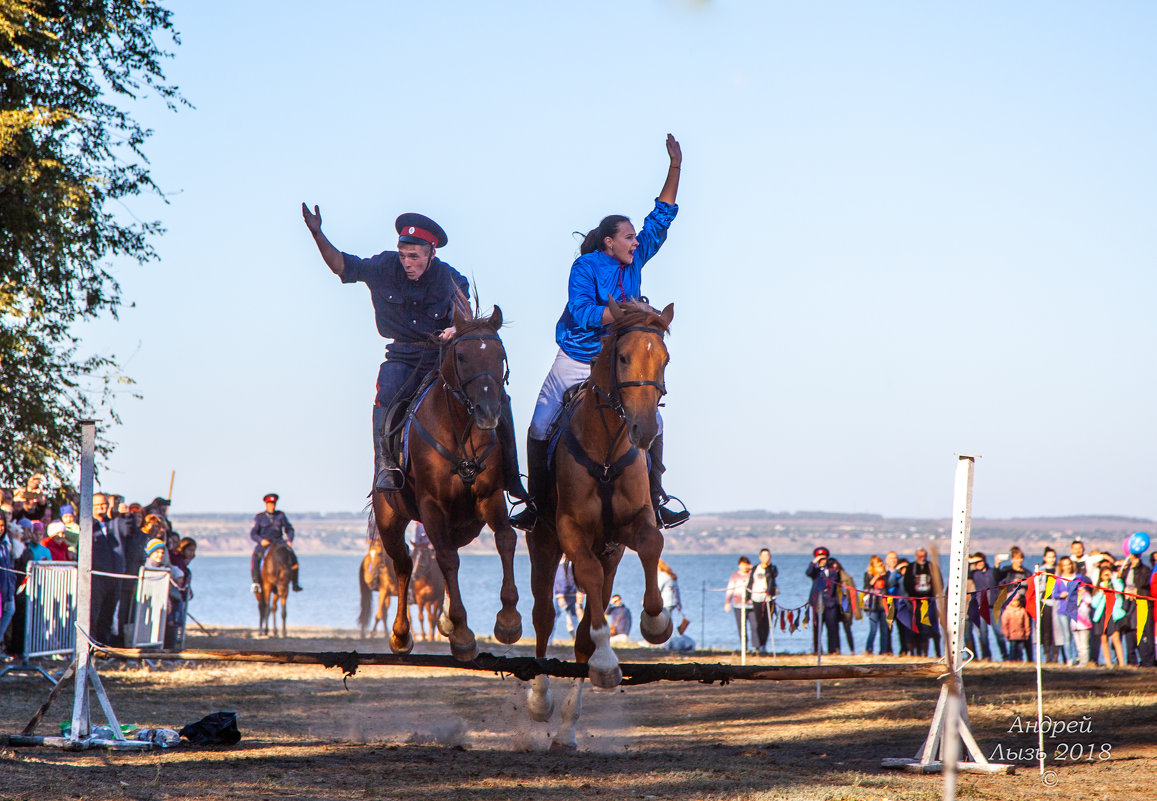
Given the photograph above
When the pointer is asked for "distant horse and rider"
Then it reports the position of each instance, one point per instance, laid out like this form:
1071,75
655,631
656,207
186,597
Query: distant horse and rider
376,574
277,573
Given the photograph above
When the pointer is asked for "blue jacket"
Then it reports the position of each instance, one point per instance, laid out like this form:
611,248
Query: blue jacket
594,276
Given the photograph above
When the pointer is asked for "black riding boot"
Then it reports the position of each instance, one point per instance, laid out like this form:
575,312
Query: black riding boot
537,478
387,474
509,447
255,567
293,570
667,518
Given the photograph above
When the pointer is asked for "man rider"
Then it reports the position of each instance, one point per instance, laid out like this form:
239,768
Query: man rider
414,295
269,527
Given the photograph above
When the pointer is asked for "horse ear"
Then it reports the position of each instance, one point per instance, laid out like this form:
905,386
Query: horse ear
496,317
458,319
613,305
668,314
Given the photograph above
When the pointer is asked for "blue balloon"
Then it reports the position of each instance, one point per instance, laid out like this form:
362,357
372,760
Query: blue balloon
1139,543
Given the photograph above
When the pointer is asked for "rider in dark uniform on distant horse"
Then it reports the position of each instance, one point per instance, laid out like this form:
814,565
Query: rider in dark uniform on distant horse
269,527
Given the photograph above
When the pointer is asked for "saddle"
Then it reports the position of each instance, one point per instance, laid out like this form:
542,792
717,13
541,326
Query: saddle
397,413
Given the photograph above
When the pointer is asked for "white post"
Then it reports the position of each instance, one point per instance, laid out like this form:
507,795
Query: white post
1037,583
81,720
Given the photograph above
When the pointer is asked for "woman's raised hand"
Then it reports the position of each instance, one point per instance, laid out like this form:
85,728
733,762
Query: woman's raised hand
674,151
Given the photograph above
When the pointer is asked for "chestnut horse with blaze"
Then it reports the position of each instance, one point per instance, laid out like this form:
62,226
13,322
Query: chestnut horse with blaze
454,481
599,501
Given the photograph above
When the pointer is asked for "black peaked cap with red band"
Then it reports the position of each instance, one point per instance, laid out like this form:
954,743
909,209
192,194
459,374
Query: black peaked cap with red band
271,497
420,230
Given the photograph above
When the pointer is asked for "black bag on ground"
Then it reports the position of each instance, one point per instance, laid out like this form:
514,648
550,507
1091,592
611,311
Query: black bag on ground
220,728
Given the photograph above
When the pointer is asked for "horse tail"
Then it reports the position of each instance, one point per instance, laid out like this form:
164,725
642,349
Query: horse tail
371,524
366,596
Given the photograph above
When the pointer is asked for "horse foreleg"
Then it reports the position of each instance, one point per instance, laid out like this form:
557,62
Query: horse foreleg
572,708
392,533
463,645
508,623
654,622
592,642
284,612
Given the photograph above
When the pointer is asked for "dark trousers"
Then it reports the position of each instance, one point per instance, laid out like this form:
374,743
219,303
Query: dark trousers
832,624
762,614
127,604
105,594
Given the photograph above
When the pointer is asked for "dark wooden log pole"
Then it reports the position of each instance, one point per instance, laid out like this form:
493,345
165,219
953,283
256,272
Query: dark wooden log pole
526,668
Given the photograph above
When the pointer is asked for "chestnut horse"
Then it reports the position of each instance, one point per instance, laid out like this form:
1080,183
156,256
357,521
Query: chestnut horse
599,502
375,574
454,481
276,576
428,593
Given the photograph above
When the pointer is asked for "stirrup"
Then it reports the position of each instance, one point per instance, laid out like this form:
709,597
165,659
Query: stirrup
527,518
255,587
389,479
668,518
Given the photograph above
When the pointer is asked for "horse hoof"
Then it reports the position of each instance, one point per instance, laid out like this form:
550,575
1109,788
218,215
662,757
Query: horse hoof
539,707
464,652
445,624
656,630
400,647
507,635
559,747
605,678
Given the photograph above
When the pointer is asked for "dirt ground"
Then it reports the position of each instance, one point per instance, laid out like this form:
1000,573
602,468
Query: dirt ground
444,735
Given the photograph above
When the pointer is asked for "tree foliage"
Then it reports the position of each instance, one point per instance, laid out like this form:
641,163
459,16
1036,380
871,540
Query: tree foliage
70,154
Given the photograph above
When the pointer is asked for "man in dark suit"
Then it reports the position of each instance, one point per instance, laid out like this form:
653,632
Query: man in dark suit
107,557
132,541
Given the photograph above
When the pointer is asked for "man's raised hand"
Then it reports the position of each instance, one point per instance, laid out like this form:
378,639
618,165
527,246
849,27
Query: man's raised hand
313,219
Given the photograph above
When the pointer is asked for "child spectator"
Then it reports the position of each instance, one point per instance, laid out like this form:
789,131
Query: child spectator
56,543
1017,628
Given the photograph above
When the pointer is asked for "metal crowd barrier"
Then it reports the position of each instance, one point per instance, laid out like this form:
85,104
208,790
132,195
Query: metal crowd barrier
152,603
50,617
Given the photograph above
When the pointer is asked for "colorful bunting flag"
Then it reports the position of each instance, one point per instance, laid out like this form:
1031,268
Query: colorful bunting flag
1030,597
985,609
1142,615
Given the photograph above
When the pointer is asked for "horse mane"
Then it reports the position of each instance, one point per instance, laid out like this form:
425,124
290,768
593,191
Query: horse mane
470,325
635,313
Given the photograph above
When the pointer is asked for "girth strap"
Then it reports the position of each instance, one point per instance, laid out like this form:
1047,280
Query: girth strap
467,469
604,474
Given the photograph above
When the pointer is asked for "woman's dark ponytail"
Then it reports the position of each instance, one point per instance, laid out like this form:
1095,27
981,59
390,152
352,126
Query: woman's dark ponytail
608,227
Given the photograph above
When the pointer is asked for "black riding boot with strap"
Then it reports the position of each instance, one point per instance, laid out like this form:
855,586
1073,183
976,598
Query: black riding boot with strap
387,473
537,478
666,518
293,570
509,447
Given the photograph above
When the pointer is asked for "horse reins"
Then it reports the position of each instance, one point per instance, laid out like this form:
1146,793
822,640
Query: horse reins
464,465
607,473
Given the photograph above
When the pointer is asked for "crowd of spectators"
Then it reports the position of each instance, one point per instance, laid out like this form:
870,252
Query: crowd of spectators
1095,609
35,526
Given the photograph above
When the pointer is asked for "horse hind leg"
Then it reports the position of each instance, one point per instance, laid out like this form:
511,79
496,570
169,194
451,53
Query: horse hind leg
572,708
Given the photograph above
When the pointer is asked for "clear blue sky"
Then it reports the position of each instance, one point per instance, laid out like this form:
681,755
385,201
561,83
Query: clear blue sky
905,230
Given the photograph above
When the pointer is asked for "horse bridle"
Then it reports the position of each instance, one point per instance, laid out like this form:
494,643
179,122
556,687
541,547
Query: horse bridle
614,399
466,466
459,392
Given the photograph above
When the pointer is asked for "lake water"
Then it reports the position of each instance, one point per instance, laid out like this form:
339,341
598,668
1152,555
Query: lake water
330,598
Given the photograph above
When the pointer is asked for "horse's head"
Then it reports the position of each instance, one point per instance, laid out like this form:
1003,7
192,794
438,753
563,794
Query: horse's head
635,361
474,367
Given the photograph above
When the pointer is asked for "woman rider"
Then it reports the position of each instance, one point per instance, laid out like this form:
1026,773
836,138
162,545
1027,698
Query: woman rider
610,262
